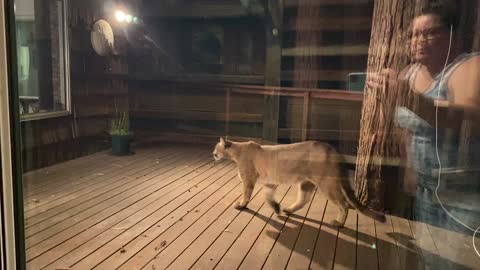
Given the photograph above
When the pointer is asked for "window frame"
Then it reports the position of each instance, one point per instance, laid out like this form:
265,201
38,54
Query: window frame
66,53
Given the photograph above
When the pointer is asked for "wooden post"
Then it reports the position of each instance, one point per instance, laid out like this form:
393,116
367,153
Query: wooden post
273,31
227,110
306,112
306,63
387,50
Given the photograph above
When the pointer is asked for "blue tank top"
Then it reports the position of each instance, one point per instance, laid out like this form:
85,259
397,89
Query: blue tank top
455,153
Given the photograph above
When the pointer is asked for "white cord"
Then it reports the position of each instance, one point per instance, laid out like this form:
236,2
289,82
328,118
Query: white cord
438,155
473,241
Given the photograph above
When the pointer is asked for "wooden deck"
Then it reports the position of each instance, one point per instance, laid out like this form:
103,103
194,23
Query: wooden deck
171,207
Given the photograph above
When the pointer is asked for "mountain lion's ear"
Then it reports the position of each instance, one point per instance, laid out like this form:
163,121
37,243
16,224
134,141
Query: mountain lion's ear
222,141
228,144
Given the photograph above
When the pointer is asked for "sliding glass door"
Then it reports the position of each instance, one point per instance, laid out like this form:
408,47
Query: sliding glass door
11,211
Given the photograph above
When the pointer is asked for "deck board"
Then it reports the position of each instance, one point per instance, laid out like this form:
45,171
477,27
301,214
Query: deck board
97,195
138,192
324,252
196,249
303,250
236,229
66,240
81,180
223,210
171,207
427,247
455,249
387,246
345,252
108,242
407,251
48,174
202,214
235,255
98,176
367,256
78,172
282,250
272,231
178,219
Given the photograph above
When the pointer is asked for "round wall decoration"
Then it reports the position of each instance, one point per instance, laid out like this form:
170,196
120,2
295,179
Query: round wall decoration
102,37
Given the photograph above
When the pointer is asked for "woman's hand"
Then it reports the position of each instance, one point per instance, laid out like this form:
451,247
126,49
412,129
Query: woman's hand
386,77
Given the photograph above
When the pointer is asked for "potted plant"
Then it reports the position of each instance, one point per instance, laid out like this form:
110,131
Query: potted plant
121,134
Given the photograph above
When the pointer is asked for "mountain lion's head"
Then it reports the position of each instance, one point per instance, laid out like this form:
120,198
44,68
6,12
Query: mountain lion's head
221,149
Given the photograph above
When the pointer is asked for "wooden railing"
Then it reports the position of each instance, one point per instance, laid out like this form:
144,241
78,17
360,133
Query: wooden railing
344,105
305,93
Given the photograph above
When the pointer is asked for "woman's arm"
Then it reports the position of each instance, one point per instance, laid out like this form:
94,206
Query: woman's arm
449,116
463,103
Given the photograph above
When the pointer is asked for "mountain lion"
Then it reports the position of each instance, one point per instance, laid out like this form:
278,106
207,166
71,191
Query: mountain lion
310,164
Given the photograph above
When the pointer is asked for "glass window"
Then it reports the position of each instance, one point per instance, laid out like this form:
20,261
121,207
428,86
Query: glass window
358,119
42,51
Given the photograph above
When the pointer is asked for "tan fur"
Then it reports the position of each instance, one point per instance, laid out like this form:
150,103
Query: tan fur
309,164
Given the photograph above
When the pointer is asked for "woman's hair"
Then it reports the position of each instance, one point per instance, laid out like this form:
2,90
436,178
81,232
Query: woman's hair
445,11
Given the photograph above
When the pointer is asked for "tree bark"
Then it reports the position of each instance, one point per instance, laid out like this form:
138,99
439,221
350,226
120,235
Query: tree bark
378,136
273,31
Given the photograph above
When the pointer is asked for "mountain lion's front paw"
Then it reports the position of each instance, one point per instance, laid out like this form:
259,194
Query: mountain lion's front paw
239,206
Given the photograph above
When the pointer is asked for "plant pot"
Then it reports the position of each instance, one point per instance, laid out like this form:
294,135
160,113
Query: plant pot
121,145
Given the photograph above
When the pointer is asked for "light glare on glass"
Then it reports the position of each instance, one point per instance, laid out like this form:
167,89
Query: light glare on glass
120,16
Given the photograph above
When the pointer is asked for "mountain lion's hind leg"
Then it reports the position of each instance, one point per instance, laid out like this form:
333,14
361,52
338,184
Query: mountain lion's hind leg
304,195
269,197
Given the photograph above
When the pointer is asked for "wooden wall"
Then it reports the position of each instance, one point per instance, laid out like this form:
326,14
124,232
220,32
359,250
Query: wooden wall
177,97
323,41
176,111
339,32
172,25
335,120
97,84
163,105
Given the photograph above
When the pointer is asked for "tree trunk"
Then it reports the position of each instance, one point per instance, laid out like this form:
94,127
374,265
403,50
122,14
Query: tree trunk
378,137
273,32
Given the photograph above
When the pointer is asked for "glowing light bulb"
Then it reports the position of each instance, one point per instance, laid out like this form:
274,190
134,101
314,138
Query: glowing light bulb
120,16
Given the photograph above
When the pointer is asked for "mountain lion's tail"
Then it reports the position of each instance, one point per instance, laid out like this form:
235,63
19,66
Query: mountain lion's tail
352,199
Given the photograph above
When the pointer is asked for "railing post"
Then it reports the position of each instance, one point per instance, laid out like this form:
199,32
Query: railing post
228,96
306,112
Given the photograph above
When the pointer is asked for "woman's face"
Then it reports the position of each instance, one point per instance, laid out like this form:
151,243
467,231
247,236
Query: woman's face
429,39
